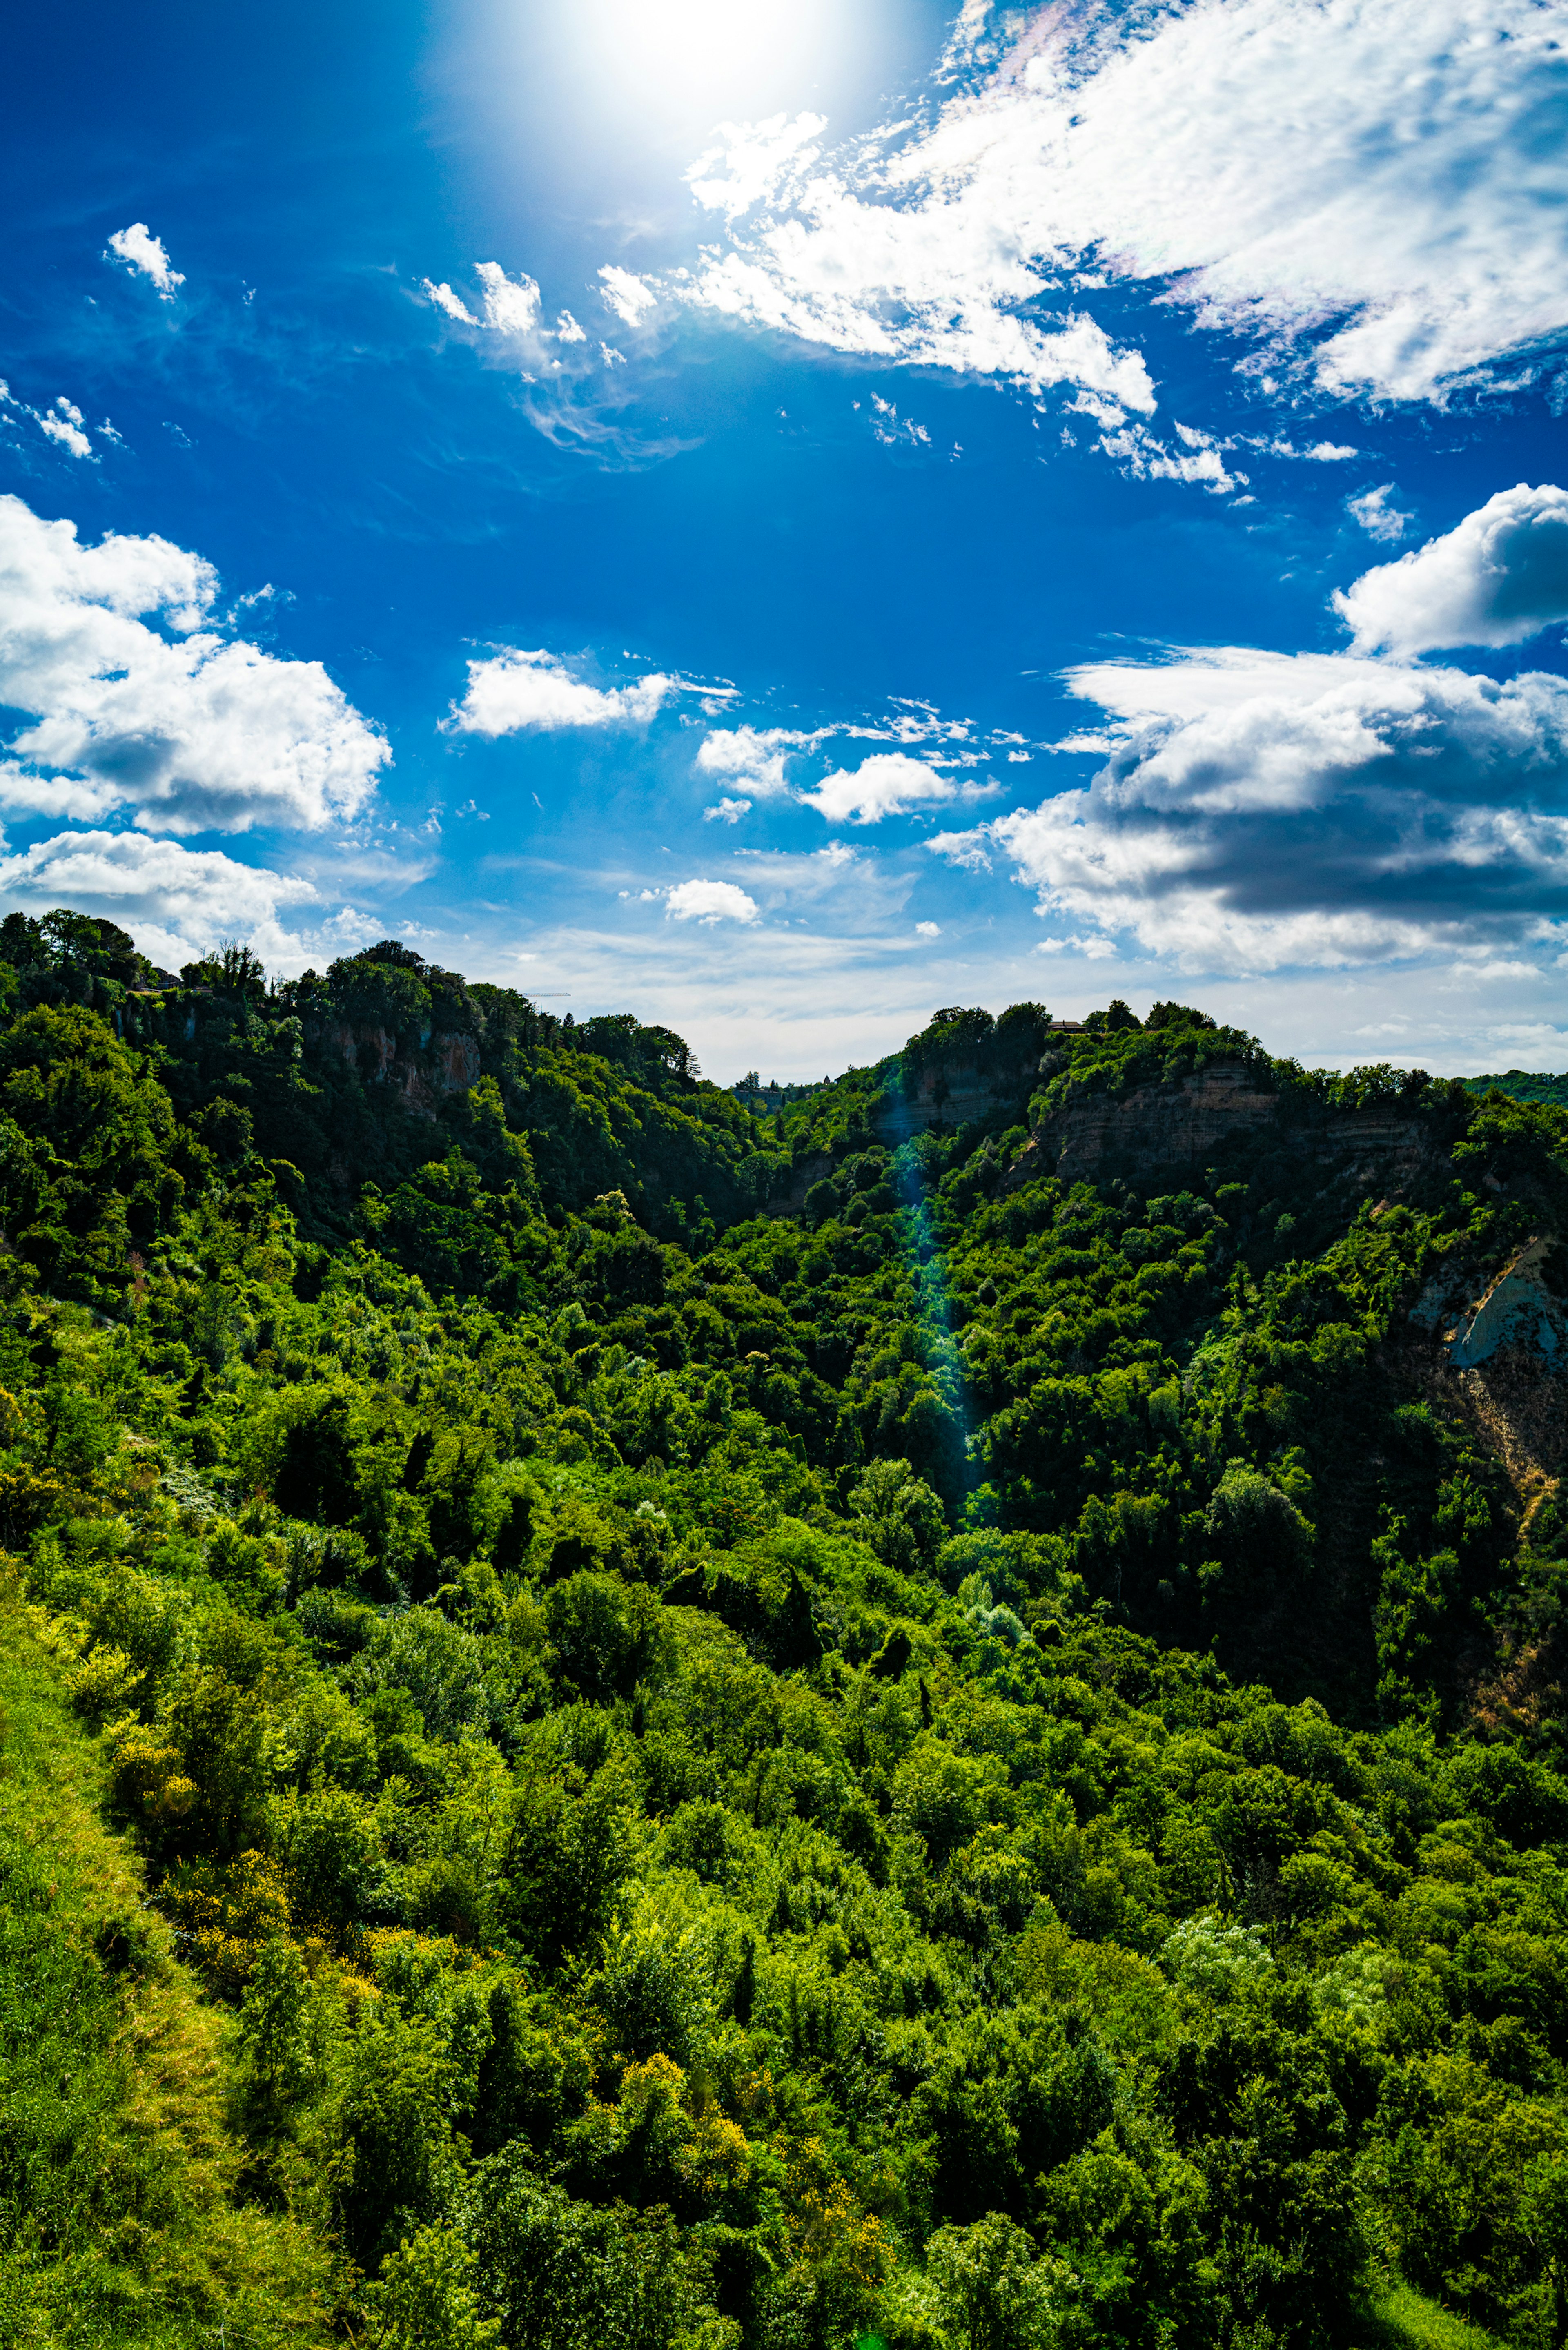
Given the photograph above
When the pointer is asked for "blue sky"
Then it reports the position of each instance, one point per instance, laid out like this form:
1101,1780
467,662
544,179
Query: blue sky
779,519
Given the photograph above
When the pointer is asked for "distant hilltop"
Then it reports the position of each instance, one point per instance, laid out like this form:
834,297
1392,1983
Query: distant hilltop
1523,1085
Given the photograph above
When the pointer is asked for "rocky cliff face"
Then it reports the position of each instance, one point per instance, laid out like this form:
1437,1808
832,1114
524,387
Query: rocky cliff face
948,1093
444,1062
787,1196
1518,1307
1170,1129
951,1091
1493,1345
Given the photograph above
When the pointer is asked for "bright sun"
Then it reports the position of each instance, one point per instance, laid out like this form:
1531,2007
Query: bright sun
727,57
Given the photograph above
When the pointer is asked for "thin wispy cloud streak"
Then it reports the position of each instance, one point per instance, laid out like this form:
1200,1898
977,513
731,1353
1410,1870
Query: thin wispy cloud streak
1372,198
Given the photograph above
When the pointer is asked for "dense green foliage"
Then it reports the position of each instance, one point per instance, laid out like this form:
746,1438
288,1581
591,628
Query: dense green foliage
1524,1085
956,1763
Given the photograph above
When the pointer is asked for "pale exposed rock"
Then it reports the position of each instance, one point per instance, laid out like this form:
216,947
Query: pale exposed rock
1517,1308
444,1062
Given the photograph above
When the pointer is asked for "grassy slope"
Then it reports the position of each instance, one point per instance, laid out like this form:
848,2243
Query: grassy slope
117,2224
1406,2320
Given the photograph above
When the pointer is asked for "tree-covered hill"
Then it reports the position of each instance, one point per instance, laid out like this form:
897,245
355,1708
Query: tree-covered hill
1524,1085
932,1713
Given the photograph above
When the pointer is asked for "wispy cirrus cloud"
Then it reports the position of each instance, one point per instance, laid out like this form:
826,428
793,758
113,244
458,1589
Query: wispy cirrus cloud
1285,168
573,394
838,886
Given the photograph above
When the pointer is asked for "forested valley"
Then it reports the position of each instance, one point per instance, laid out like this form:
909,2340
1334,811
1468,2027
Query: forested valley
933,1718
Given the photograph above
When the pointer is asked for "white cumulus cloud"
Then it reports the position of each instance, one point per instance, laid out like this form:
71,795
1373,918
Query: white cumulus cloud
826,290
1377,518
752,755
1259,811
1376,190
62,423
141,251
1499,576
514,692
445,300
23,792
1145,457
191,729
510,308
630,298
178,903
752,160
894,431
709,902
566,371
889,783
66,424
1319,452
511,304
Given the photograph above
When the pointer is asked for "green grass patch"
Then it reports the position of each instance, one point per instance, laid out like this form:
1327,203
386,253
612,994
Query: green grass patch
117,2223
1406,2320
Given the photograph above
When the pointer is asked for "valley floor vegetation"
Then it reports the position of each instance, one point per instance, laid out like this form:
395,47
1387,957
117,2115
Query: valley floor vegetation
630,1719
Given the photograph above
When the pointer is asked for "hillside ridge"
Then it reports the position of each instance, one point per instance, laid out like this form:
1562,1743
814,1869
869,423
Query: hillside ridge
981,1761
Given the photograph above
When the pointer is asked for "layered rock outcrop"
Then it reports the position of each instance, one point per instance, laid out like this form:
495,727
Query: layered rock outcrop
1158,1130
1495,1346
947,1091
788,1195
951,1091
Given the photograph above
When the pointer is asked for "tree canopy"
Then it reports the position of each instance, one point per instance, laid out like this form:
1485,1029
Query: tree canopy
777,1726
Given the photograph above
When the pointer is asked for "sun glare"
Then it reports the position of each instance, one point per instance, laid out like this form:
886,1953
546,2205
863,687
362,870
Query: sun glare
718,57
